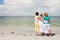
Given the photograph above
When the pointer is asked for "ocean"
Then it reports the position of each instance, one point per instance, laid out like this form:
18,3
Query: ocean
24,21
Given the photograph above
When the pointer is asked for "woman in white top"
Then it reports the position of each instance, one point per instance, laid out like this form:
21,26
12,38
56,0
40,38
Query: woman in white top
41,25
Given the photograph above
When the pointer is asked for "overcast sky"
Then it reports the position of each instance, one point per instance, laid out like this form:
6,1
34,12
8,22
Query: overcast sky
29,7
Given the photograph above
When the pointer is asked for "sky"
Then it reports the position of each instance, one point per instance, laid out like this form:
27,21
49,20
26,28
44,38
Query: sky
29,7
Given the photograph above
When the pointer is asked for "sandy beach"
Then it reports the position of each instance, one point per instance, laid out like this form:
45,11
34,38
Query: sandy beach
25,33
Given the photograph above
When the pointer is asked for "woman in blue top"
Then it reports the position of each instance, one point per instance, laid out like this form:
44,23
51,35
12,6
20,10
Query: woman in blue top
47,23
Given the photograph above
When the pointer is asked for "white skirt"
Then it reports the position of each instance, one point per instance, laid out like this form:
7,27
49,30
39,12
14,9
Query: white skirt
44,27
41,26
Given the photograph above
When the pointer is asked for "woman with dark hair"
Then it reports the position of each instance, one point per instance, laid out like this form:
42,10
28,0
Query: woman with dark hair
36,23
41,25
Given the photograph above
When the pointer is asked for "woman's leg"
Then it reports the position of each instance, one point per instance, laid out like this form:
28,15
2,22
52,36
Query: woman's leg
49,29
36,28
42,30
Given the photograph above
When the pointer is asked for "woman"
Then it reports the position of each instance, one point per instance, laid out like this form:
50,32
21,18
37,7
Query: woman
36,23
47,24
41,25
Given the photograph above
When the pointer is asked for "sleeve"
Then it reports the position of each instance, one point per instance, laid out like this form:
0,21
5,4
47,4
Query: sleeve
49,17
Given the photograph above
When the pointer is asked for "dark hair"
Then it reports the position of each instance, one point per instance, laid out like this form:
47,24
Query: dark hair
37,13
41,15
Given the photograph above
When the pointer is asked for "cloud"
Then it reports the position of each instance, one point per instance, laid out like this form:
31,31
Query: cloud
54,6
51,6
18,2
29,7
13,5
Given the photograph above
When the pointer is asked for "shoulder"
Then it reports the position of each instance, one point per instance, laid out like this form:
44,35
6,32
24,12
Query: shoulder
36,16
44,16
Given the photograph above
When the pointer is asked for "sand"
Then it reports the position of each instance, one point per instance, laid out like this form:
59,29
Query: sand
25,33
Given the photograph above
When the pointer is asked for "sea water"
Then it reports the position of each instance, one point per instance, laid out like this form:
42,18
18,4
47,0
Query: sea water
24,21
17,20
